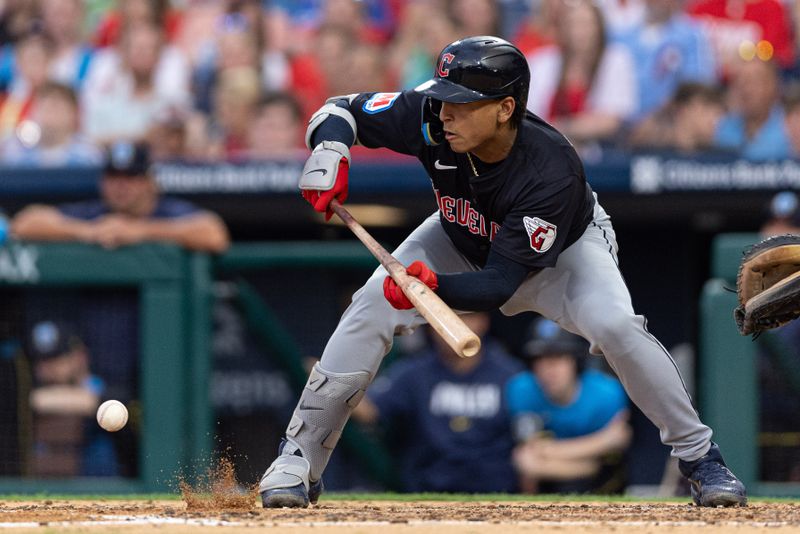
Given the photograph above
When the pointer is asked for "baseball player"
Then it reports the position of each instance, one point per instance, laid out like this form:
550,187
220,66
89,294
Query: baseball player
518,228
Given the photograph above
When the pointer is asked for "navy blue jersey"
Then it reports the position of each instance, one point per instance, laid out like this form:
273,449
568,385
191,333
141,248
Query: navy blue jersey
455,430
527,208
167,208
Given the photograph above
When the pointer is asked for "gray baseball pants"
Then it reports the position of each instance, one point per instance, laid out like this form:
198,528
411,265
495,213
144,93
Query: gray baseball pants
584,293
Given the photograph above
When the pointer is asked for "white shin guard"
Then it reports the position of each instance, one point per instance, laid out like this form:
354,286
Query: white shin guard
324,407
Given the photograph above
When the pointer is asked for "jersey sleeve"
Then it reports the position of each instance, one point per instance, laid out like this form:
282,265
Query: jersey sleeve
390,120
534,232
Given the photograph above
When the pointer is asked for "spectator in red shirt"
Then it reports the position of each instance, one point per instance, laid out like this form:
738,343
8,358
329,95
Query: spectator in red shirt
322,71
730,23
540,28
128,12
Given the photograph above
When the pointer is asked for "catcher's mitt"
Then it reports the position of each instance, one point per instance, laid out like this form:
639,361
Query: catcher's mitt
768,285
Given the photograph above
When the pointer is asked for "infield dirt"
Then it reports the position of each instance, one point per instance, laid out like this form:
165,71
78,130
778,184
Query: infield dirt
389,517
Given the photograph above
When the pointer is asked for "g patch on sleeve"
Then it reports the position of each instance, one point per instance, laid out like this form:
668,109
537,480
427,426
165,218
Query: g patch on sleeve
380,102
542,234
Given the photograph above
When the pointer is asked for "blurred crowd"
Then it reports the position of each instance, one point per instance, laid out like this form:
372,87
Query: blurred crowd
236,79
544,418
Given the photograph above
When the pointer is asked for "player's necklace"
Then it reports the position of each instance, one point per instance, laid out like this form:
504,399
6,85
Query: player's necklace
471,164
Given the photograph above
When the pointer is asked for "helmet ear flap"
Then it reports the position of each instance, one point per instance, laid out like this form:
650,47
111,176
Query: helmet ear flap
432,127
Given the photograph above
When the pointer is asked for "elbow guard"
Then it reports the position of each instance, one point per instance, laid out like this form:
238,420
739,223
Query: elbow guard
337,106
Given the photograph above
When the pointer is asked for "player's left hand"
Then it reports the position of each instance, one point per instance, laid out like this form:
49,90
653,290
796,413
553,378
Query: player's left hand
395,295
325,175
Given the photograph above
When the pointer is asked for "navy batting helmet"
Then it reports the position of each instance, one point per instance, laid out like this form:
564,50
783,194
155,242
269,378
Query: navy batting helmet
546,338
479,68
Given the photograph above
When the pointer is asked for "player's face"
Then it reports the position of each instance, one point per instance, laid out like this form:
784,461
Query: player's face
129,195
470,126
557,375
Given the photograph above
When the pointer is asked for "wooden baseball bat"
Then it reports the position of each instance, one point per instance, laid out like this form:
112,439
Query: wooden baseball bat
438,314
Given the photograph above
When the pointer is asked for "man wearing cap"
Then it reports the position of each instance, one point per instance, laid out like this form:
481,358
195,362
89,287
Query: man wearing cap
130,210
569,421
449,415
518,228
63,400
783,215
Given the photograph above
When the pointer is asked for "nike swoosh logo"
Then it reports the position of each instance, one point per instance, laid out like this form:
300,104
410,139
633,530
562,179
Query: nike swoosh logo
323,171
441,167
306,407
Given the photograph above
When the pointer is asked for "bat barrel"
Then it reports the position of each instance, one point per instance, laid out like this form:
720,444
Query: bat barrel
471,347
440,316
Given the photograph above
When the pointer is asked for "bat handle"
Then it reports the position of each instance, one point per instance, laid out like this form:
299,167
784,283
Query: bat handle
438,314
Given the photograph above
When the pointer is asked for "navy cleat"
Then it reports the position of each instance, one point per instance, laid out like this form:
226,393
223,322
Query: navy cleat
712,482
286,484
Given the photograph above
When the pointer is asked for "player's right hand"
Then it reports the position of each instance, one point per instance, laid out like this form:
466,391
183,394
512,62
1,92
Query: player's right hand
394,293
324,176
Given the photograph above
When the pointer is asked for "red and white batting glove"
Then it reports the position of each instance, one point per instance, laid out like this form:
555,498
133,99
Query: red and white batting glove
325,176
395,295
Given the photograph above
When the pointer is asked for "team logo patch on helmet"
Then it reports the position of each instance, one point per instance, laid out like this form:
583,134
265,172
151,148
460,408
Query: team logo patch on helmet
380,102
445,60
541,233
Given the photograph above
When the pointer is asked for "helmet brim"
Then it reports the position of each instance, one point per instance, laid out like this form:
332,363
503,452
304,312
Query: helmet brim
447,91
539,348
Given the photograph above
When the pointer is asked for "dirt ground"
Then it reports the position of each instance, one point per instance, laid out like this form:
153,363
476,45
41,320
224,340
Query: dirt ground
388,517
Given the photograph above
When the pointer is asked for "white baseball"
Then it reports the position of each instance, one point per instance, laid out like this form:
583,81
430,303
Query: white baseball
112,415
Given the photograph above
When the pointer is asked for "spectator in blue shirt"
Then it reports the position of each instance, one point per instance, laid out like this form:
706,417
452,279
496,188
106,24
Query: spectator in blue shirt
451,416
130,211
668,48
755,126
569,420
